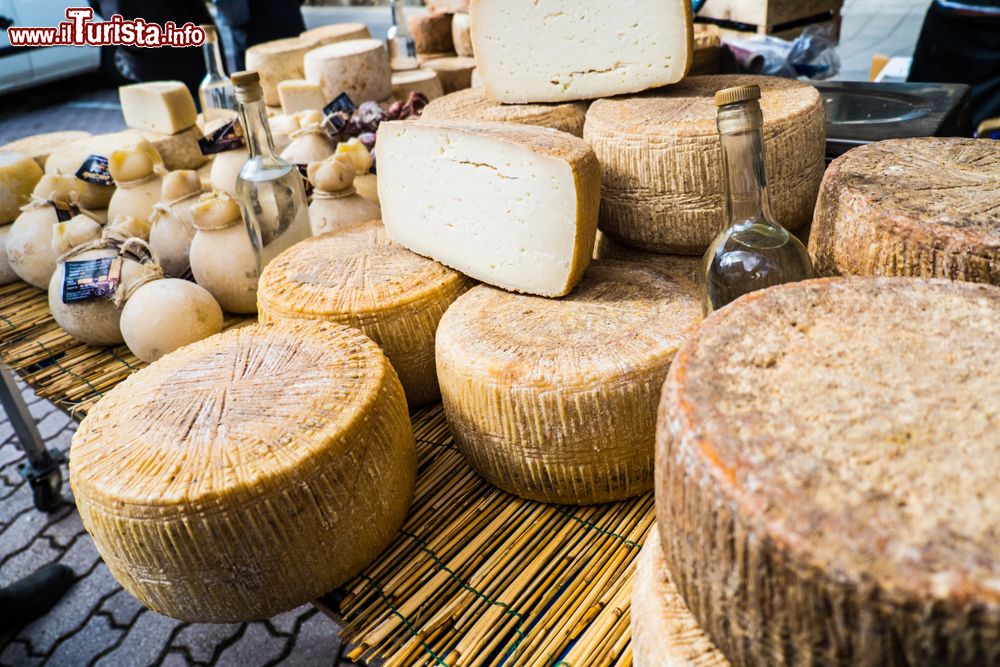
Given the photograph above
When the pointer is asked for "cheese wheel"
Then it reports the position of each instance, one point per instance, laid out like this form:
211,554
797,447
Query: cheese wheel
361,278
925,207
67,159
674,265
19,173
416,81
555,399
472,104
664,188
358,67
335,32
431,32
276,61
461,35
455,72
664,633
826,473
177,151
248,473
40,146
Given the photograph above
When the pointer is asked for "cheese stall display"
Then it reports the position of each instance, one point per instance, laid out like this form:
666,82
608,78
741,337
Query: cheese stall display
473,105
911,207
571,422
840,438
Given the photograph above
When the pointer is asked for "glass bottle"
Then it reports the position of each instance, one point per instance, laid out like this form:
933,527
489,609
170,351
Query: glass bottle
399,42
216,90
269,190
754,251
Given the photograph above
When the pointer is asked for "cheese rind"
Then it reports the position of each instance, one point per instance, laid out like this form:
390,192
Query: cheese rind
40,146
923,207
277,61
461,34
422,81
473,105
158,106
177,151
358,67
298,95
664,189
335,32
431,32
359,277
561,50
19,173
455,72
510,205
555,399
251,472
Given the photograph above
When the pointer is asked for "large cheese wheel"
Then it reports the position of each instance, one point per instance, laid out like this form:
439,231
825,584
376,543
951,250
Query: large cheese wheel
39,146
676,265
911,207
472,104
276,61
423,81
555,399
358,67
827,456
361,278
664,188
335,32
664,633
431,32
19,173
247,473
455,72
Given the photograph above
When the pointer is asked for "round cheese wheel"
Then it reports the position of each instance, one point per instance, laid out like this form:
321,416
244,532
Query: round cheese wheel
827,457
555,399
416,81
455,72
361,278
431,32
684,266
276,61
925,207
335,32
40,146
247,473
663,184
19,173
664,633
472,104
358,67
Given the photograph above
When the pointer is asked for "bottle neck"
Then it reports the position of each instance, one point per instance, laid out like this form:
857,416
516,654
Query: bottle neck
743,162
253,115
214,68
397,17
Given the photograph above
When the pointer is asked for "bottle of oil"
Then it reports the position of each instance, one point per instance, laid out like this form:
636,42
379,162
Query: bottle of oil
270,190
216,90
754,251
399,42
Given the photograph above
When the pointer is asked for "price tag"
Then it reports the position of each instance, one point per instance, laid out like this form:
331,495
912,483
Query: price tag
228,137
342,103
90,279
65,212
95,170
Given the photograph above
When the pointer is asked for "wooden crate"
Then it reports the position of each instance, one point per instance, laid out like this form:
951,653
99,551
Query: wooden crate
767,13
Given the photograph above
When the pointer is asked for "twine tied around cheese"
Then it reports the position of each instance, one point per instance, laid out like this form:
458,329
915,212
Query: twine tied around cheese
132,248
74,200
162,208
324,194
159,171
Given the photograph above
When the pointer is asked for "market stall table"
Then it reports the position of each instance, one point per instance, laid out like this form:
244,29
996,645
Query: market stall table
476,576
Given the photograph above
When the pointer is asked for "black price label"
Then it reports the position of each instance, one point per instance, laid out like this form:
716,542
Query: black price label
341,103
65,212
228,137
95,170
89,279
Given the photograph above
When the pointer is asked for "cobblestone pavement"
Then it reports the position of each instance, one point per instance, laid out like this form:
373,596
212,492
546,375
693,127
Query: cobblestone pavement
98,623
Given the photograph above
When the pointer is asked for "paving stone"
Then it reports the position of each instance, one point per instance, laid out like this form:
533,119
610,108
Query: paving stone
81,555
143,643
65,530
123,608
40,553
16,654
53,423
19,531
9,451
85,645
257,646
41,409
174,660
286,622
201,639
316,642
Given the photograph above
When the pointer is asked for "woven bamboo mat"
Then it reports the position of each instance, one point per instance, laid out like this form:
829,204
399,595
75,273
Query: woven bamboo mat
475,577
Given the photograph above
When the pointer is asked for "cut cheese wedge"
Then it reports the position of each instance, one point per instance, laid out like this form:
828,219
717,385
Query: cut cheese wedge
299,95
559,50
472,104
248,473
826,481
555,399
361,278
158,106
510,205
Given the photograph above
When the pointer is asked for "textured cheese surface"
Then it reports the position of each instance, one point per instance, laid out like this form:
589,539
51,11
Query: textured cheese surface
431,32
178,151
472,104
298,95
67,159
277,61
461,34
158,106
455,72
841,437
335,32
664,633
39,146
248,473
661,159
510,205
675,265
559,50
361,278
926,207
555,399
358,67
416,81
18,175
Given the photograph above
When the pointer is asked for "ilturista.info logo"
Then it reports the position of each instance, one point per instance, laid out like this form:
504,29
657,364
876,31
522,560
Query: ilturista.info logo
80,29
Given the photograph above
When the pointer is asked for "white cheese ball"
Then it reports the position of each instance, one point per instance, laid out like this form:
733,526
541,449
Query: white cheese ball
168,314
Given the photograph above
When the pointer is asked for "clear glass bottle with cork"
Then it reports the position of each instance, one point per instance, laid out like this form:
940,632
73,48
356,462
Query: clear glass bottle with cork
216,90
270,190
754,251
399,42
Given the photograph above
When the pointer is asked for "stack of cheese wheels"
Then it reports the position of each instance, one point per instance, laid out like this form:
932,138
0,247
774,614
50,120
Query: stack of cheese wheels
422,81
911,207
555,399
335,32
662,161
826,473
358,67
361,278
277,61
247,473
472,105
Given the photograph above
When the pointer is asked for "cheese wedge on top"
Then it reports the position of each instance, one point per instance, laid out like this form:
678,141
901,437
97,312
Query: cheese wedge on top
510,205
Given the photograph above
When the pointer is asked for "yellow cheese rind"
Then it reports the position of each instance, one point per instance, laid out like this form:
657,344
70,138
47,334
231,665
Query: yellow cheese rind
555,399
361,278
248,473
158,106
473,105
19,173
40,146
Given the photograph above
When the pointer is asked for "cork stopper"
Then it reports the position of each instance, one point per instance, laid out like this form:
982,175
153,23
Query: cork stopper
737,94
247,86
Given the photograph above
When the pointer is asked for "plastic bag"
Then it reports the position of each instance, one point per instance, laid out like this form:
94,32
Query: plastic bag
813,54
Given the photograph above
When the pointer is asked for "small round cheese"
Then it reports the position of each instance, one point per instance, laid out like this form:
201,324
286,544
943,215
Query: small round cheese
927,207
164,315
455,72
555,399
361,278
358,67
18,175
472,104
661,157
248,473
416,81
